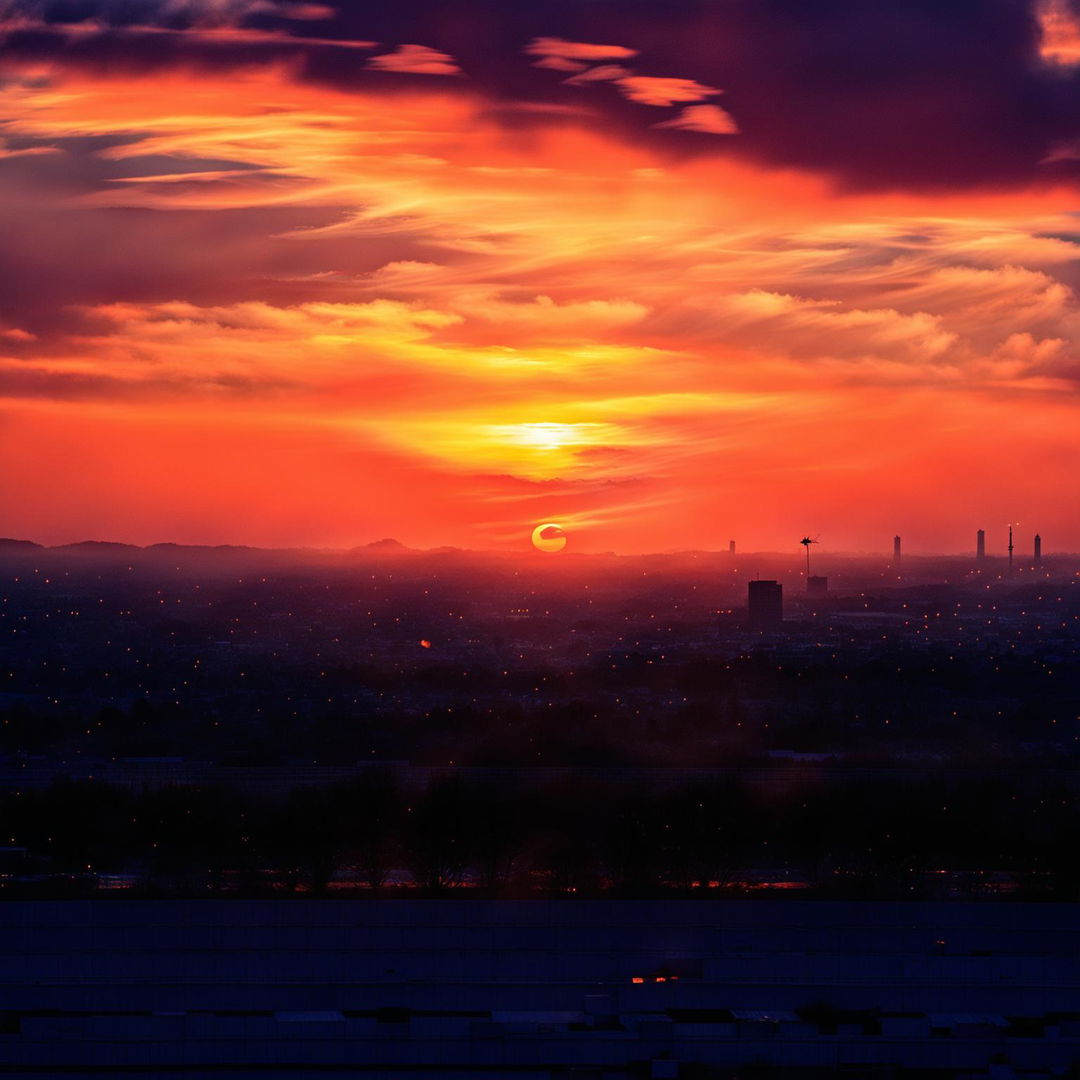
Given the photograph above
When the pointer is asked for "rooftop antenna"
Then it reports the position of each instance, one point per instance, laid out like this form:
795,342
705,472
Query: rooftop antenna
806,541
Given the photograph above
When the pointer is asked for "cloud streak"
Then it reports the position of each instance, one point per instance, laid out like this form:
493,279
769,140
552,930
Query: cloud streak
415,60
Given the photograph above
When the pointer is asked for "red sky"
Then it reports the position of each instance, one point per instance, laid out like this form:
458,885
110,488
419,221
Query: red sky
272,277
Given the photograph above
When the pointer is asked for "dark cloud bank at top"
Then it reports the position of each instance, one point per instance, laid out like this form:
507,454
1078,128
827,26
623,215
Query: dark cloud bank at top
913,94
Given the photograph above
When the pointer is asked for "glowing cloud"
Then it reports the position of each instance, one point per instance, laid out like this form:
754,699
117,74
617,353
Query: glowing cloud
603,73
416,60
1059,30
651,90
549,47
708,119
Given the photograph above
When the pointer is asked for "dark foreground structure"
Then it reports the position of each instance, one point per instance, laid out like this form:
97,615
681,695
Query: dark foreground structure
514,989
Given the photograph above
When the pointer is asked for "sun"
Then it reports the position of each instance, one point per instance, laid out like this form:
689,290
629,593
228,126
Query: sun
549,537
548,436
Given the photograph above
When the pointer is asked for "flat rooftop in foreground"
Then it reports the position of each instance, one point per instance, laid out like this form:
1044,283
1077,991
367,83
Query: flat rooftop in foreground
459,988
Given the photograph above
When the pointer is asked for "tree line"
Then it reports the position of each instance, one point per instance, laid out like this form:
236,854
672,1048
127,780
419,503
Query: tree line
914,836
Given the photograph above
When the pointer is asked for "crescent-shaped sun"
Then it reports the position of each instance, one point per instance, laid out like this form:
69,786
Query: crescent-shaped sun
549,537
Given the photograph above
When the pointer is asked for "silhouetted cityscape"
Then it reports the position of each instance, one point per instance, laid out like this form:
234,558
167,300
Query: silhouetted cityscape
385,724
250,687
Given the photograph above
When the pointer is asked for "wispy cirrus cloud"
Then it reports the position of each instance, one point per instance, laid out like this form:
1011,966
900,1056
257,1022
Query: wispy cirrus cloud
644,89
562,55
708,119
192,23
174,13
415,60
577,50
654,90
599,74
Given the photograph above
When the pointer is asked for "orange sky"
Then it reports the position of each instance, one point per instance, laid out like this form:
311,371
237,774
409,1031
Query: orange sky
263,309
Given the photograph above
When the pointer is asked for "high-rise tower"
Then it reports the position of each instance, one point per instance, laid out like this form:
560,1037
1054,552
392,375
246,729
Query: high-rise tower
980,545
896,548
1038,550
1010,549
766,605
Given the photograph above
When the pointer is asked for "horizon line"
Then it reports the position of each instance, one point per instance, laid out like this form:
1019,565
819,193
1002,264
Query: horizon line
392,546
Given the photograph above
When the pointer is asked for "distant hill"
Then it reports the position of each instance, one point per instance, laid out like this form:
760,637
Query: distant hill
220,554
386,546
18,545
96,547
168,547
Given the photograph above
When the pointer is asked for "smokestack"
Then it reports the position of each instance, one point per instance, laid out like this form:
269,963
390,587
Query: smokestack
980,545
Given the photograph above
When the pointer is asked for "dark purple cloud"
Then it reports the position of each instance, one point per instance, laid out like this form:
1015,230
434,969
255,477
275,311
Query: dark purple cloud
896,93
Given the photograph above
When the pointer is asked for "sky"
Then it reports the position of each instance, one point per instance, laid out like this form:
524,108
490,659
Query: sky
668,274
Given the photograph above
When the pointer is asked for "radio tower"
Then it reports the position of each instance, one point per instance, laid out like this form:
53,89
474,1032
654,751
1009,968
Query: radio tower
1010,549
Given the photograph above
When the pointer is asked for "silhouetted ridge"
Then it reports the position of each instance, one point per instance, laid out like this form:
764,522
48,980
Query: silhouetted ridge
96,546
387,545
7,544
169,546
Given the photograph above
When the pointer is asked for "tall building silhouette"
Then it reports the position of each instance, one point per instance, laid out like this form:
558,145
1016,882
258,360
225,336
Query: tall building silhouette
980,545
896,548
731,547
1010,549
765,605
1037,560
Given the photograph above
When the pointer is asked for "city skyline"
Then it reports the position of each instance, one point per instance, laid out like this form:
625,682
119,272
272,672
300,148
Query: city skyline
1029,555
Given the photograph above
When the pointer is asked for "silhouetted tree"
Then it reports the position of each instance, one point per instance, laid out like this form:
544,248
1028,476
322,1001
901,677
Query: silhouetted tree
439,835
370,812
